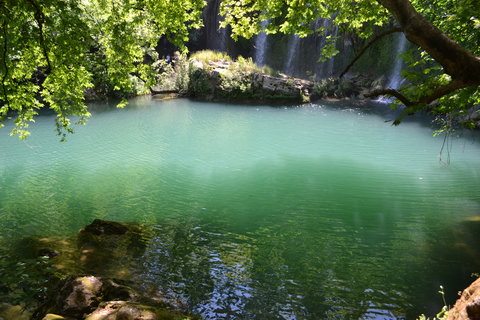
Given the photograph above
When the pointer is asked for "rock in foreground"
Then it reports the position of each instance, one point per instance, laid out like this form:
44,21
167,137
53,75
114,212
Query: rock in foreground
468,306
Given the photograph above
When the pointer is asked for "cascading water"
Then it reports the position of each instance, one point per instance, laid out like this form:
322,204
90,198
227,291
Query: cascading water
261,45
292,50
395,78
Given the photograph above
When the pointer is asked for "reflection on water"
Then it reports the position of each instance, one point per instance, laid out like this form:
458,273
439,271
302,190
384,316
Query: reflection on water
313,212
228,276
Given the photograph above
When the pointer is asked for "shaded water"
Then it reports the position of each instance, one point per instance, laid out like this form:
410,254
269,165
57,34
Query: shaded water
314,212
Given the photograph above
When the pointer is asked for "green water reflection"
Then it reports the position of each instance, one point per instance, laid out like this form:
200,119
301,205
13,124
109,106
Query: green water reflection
259,213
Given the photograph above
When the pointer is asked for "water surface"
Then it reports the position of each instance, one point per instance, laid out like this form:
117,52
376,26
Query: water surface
321,211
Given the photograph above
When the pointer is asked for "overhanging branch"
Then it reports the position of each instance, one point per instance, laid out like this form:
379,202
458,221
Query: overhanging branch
369,44
390,92
437,93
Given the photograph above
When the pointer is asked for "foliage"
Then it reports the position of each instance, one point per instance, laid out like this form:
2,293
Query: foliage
457,19
236,83
199,84
443,314
206,56
54,50
182,70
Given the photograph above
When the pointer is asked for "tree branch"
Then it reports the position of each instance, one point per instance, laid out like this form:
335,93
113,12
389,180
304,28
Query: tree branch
390,92
39,18
459,63
442,91
375,39
423,100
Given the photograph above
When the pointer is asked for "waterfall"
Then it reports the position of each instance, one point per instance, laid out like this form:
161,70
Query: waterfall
395,78
292,50
261,45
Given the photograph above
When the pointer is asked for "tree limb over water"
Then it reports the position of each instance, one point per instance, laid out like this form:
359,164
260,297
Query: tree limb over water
448,70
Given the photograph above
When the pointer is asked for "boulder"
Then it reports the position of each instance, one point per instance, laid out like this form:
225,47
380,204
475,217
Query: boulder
99,298
468,306
77,296
225,81
123,310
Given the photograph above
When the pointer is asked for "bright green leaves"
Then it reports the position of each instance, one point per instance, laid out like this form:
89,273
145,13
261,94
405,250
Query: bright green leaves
297,16
458,19
52,51
243,16
63,91
329,49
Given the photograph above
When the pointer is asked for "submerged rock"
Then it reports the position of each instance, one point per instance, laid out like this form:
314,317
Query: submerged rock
105,227
110,248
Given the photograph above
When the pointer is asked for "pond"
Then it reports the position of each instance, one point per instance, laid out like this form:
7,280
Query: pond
320,211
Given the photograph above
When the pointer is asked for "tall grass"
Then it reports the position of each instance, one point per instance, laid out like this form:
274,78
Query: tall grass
241,64
206,56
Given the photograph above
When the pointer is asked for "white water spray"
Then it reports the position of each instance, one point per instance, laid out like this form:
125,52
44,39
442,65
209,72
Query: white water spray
261,45
395,78
292,50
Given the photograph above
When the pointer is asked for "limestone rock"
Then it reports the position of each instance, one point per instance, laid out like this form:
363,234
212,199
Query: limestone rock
468,306
222,81
77,296
98,298
122,310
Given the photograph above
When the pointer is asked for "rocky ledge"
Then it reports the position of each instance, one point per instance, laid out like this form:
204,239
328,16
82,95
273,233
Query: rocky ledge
228,81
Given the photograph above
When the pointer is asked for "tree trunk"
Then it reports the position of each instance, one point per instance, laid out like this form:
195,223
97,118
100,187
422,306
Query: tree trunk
461,65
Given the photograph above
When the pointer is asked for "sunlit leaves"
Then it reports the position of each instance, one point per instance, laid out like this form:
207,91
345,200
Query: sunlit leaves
53,50
297,16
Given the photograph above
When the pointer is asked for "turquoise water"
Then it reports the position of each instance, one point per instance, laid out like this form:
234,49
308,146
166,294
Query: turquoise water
320,211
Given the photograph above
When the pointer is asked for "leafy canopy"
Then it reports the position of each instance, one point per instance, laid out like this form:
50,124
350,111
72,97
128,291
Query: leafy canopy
50,50
458,20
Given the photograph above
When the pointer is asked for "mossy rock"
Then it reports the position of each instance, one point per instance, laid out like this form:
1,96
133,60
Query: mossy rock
97,298
109,248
